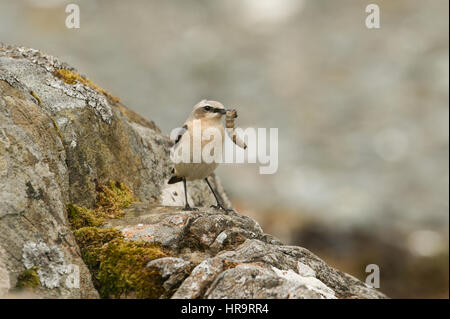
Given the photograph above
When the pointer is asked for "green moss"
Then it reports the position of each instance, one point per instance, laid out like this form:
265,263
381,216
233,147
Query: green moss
57,129
68,76
118,267
84,217
123,269
91,241
96,237
28,279
72,78
112,198
33,94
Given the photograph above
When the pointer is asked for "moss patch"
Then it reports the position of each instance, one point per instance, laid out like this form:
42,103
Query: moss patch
57,129
118,267
91,240
33,94
111,199
84,217
28,279
123,269
72,78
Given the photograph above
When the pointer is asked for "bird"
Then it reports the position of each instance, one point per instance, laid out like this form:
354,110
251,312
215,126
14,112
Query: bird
210,114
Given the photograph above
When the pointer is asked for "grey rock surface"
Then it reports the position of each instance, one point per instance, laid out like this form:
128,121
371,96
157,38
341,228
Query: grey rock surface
222,255
57,139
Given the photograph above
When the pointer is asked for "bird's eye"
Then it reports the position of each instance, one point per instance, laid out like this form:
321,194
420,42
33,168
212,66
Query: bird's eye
207,108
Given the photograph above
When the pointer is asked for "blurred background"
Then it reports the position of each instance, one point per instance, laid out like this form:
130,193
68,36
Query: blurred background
363,114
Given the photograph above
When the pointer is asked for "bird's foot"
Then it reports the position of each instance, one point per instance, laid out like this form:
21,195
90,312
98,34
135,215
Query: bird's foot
189,208
227,210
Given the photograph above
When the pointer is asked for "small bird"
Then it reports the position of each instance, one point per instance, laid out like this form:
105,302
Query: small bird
210,114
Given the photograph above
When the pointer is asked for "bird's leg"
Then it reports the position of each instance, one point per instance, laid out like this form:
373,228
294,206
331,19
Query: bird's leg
187,207
219,205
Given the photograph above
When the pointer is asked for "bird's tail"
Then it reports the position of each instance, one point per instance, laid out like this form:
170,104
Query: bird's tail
174,179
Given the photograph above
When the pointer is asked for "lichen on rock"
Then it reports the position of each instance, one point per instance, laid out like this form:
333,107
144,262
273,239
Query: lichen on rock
72,77
46,261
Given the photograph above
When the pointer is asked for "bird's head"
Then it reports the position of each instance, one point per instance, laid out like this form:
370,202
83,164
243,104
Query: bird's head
208,110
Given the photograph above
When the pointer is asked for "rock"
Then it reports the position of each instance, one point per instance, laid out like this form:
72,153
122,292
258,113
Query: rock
60,137
173,270
233,257
4,278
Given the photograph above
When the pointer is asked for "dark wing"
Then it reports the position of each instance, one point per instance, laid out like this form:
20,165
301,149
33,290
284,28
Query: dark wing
180,133
175,179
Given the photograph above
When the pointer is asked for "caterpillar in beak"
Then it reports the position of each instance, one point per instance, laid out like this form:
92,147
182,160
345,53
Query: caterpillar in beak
230,117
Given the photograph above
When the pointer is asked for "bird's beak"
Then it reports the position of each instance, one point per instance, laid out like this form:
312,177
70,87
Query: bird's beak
221,111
